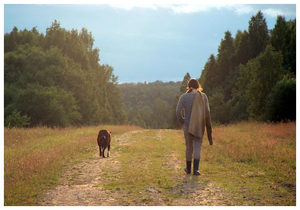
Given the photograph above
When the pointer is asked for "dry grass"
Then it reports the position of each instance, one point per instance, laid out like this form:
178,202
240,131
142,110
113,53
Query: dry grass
33,158
266,145
259,158
253,162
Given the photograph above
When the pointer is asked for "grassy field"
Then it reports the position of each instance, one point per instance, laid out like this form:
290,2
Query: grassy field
249,164
34,158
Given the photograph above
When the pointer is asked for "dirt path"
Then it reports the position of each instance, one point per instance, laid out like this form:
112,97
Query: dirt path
82,186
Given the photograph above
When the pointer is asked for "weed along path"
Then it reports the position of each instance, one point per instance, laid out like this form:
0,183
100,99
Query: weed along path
145,168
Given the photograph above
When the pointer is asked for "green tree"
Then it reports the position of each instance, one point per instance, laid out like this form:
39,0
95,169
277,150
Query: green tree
242,48
281,102
15,119
290,52
218,107
64,68
184,83
258,34
225,65
150,105
11,40
240,101
48,106
283,38
209,76
279,34
265,71
225,55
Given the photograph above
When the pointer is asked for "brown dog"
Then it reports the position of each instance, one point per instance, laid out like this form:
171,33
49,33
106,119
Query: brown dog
103,140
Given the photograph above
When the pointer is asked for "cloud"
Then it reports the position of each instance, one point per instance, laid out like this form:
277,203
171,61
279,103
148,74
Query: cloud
273,12
190,8
193,6
243,9
177,6
270,10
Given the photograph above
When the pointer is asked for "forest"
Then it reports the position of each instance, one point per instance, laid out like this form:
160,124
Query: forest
148,104
253,76
55,79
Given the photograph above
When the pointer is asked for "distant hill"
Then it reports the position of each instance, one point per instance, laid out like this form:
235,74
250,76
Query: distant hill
149,104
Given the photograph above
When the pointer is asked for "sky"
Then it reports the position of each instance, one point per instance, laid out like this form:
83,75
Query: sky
148,41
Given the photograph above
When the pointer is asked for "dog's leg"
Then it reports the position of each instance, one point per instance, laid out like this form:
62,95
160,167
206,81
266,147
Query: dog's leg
100,151
103,152
108,149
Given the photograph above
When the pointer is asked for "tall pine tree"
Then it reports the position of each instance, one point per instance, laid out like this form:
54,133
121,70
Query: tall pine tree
258,34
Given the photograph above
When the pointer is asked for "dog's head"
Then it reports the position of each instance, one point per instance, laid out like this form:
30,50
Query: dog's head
104,133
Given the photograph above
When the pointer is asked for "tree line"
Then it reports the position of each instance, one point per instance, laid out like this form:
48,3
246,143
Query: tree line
148,104
55,79
253,76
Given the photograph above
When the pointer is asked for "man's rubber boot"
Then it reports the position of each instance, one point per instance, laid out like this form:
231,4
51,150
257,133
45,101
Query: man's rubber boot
196,167
188,167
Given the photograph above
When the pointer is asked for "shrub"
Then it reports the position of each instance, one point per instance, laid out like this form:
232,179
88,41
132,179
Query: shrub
281,102
15,119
